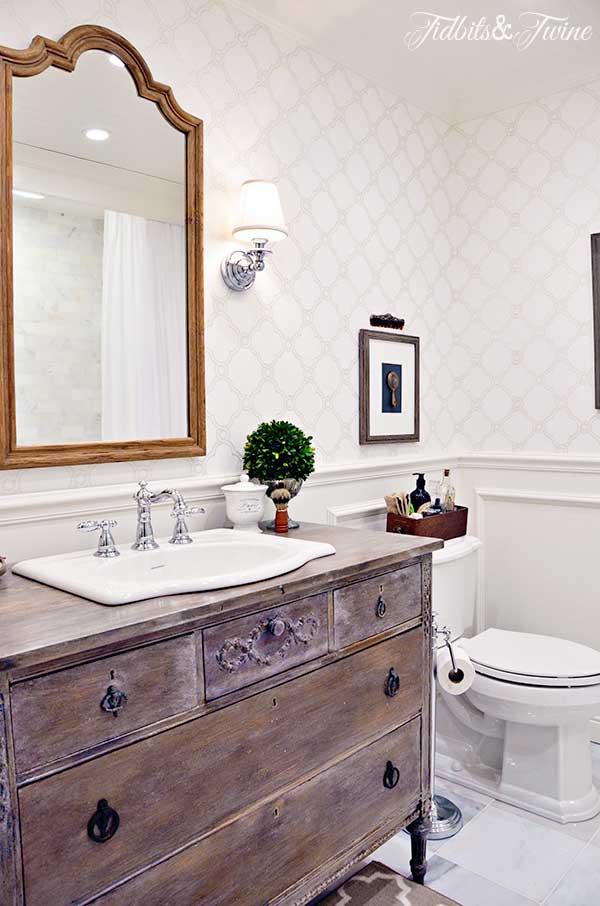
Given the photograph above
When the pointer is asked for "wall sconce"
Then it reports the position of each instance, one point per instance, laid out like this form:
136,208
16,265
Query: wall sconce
261,221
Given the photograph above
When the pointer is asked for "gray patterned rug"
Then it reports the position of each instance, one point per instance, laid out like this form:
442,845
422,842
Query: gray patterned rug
376,885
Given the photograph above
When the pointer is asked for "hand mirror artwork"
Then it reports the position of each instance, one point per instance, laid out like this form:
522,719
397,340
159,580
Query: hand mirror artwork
102,346
393,378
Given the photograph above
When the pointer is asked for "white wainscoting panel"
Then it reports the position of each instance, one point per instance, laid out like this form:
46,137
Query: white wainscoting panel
538,559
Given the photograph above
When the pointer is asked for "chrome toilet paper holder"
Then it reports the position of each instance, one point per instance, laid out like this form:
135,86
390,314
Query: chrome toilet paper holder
446,816
456,674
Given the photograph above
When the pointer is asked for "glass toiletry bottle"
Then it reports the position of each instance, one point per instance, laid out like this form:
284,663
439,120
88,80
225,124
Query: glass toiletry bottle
419,496
447,493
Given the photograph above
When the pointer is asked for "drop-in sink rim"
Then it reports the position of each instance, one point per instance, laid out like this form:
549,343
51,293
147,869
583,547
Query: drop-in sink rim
169,570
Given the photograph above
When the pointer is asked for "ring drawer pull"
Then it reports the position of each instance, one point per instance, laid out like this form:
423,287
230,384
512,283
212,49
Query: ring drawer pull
392,685
113,701
391,776
104,823
381,606
234,653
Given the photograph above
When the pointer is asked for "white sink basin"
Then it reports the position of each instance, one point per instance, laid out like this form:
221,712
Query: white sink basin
220,558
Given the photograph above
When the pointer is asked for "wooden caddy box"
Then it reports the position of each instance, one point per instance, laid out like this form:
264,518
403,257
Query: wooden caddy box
445,526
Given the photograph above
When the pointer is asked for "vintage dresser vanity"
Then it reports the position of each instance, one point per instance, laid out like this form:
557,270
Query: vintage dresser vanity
241,746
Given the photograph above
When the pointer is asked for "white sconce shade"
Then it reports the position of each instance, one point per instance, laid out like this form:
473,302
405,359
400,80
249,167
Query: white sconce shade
261,214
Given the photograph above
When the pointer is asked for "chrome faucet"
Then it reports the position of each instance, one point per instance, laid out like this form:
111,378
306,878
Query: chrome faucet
144,538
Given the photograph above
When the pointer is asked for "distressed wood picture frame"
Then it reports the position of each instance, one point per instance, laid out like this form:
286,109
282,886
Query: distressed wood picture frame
380,421
595,248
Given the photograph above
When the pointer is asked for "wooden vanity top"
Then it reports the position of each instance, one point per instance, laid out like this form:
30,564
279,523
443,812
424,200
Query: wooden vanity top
39,623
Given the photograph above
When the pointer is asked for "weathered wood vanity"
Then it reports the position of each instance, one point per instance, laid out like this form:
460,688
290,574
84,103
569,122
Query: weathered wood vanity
244,746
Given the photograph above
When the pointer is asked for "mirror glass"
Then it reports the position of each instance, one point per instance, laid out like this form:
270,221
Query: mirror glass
99,256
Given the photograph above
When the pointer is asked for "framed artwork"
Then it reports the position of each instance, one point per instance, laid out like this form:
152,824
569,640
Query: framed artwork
596,299
389,387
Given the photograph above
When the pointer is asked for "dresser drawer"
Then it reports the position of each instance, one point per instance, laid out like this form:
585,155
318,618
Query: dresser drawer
68,711
285,839
367,608
248,650
172,787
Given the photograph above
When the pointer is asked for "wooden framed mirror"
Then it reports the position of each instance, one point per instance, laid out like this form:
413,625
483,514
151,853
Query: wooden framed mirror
101,322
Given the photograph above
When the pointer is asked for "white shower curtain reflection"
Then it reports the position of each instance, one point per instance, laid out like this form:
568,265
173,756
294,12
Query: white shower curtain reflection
144,350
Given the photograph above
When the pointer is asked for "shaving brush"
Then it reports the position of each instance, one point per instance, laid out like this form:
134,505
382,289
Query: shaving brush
281,498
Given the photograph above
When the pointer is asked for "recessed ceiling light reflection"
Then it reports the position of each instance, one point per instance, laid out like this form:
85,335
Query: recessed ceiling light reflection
23,194
97,135
115,60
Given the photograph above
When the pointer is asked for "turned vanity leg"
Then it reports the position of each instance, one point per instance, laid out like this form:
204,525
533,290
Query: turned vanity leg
418,837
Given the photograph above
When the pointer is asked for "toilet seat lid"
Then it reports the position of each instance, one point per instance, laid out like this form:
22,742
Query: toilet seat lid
533,660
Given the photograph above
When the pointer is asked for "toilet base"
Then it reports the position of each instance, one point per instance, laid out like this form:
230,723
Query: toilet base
489,782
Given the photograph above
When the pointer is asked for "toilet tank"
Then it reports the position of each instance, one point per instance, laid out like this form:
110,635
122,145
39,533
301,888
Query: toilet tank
454,588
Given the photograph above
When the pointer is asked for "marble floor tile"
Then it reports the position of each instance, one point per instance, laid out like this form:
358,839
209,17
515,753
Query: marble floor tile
470,889
581,885
514,852
582,830
395,854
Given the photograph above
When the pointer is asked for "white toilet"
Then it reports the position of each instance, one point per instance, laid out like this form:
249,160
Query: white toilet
521,733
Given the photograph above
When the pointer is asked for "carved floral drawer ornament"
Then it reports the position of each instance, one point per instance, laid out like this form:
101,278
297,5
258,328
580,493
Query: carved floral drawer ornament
235,652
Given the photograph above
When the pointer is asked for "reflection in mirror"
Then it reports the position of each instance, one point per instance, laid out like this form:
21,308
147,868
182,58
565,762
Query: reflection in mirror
99,260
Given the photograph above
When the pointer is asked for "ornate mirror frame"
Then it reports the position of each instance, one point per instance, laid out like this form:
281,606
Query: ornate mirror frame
42,53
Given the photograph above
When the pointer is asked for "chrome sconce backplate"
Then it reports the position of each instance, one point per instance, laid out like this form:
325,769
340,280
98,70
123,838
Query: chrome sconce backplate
239,268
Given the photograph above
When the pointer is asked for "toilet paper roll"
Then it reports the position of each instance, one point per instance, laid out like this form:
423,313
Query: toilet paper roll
457,683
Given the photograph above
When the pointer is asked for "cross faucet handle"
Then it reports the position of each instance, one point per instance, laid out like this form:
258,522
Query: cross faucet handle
184,510
180,511
106,542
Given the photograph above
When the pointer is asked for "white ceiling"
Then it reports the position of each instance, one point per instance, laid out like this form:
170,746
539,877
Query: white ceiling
140,169
458,80
52,110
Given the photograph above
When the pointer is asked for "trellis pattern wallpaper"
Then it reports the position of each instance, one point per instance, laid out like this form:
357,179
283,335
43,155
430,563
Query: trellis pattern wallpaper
525,194
361,176
477,235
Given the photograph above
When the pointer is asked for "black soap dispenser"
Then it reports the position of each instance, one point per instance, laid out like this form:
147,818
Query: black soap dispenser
419,496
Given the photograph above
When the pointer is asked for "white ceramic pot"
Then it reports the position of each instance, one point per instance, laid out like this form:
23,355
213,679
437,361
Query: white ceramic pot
245,504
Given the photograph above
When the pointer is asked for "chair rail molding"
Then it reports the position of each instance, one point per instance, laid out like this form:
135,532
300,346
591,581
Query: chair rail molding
530,462
27,514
